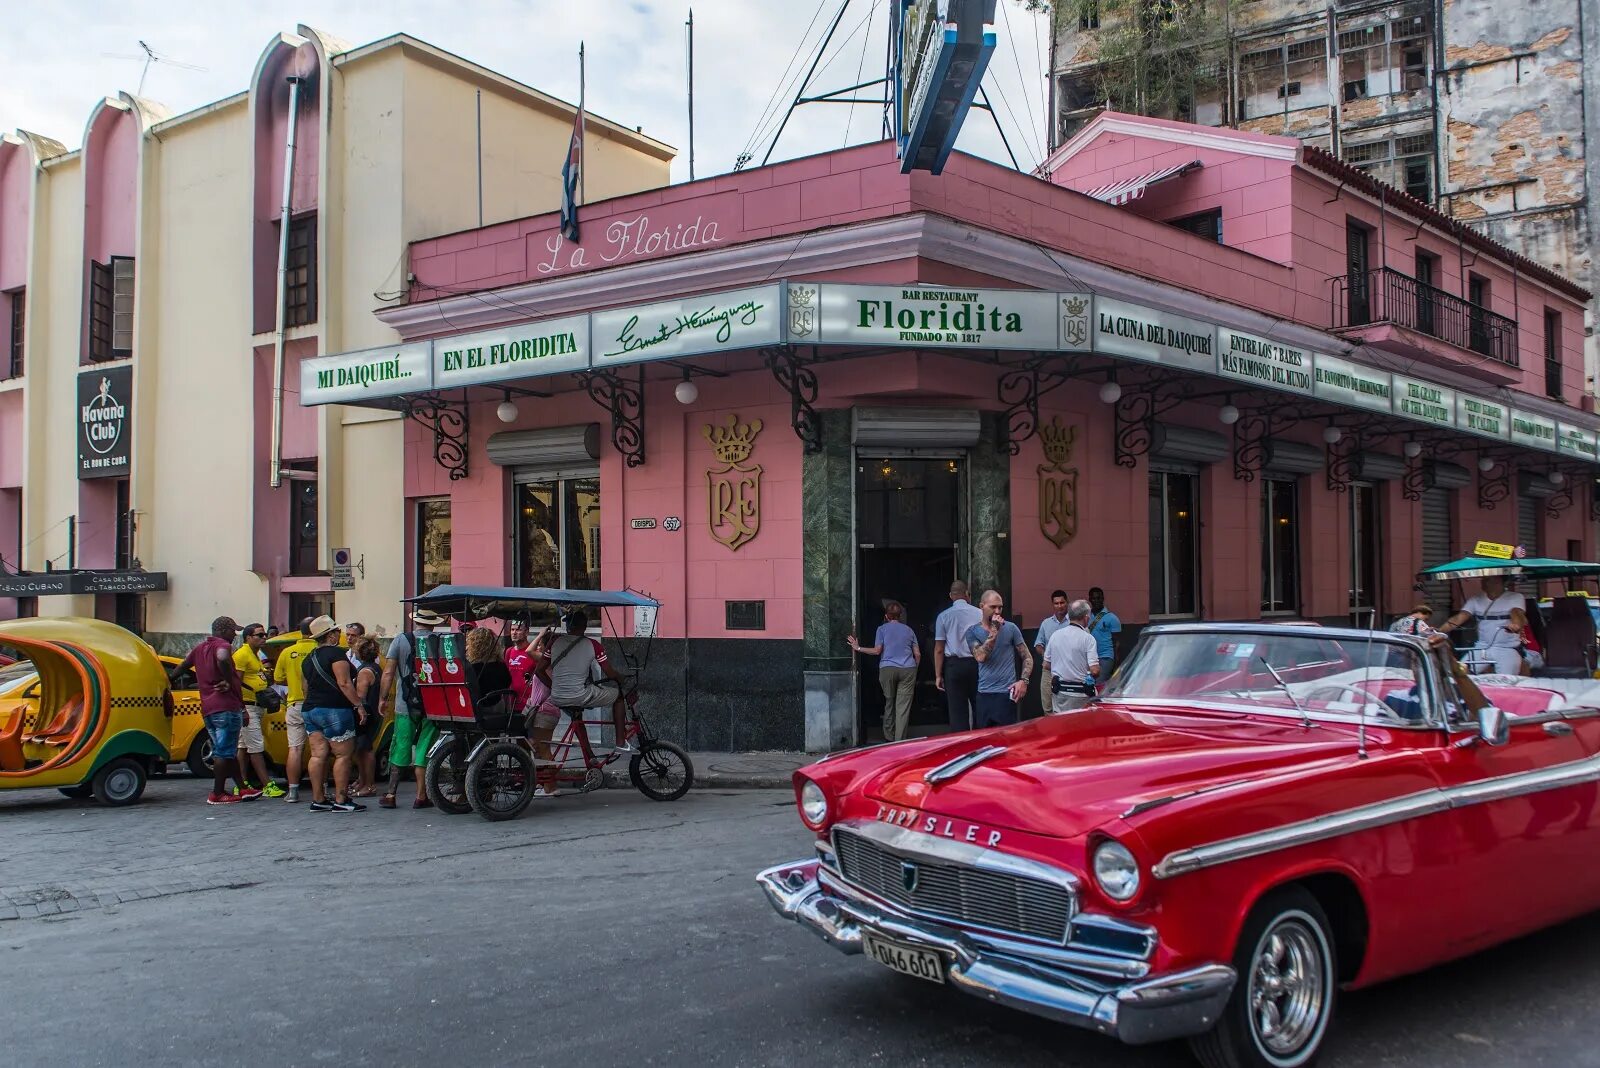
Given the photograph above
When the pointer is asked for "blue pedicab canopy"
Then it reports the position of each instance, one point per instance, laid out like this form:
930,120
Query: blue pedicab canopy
478,602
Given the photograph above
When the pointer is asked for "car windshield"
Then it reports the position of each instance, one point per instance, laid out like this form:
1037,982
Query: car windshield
13,673
1323,677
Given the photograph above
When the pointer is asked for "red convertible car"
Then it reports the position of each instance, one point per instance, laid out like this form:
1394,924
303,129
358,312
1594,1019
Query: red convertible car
1252,818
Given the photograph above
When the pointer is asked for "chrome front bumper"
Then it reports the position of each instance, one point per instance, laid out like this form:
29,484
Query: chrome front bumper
1149,1009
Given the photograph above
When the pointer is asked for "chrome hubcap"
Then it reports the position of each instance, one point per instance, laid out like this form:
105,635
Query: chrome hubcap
1287,988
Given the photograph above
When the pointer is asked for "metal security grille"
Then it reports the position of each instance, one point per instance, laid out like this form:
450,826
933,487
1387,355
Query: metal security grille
1436,543
1528,524
971,897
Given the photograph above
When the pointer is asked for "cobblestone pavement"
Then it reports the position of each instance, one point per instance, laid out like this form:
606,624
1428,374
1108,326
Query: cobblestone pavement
597,930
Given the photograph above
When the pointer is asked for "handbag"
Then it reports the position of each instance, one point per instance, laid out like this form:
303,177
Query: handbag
269,700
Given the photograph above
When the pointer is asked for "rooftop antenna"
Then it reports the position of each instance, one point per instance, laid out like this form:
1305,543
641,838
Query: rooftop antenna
148,56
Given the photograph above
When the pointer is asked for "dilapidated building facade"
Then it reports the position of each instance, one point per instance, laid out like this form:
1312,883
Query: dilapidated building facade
1486,109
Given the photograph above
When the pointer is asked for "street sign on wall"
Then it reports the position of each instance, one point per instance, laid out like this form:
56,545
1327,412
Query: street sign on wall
343,574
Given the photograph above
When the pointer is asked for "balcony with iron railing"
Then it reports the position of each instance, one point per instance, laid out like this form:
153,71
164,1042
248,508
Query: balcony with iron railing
1425,315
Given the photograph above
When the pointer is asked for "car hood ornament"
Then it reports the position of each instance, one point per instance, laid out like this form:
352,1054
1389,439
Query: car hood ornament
962,764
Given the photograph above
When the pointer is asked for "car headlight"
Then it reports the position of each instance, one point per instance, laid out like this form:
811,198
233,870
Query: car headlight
1116,871
813,805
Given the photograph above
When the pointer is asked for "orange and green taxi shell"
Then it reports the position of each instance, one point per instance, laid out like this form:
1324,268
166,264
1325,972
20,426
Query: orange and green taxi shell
122,705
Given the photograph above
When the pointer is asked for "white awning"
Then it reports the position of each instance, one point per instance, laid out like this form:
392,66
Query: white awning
1133,188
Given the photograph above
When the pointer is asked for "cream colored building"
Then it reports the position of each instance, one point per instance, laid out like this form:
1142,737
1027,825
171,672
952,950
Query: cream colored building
156,248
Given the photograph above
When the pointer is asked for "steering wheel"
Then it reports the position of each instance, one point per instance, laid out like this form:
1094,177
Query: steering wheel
1363,698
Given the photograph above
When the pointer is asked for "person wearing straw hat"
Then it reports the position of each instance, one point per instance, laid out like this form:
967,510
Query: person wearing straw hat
413,734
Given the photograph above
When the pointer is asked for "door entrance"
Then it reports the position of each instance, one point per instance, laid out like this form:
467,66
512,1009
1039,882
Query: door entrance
911,543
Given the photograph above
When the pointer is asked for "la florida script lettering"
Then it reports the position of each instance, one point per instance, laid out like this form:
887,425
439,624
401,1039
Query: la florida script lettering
630,239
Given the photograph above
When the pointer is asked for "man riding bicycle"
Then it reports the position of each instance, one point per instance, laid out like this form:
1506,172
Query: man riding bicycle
568,669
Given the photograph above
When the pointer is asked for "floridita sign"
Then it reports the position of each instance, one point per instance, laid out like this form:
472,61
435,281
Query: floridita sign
930,317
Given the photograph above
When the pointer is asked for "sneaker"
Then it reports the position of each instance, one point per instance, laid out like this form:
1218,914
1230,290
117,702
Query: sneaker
625,747
272,789
542,792
222,799
348,806
321,806
248,793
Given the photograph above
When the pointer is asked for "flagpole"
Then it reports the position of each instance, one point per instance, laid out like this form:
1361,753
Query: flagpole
583,122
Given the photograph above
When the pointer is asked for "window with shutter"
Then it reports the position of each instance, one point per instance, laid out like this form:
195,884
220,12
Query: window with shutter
1436,543
1528,524
300,277
100,304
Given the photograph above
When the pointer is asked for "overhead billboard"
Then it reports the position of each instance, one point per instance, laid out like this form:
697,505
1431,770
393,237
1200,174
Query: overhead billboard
942,48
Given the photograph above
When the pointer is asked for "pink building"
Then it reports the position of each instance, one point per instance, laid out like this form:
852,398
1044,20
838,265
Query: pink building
1218,375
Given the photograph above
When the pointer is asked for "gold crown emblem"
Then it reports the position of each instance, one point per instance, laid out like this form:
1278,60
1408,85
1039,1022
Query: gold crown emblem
734,440
1057,440
1075,305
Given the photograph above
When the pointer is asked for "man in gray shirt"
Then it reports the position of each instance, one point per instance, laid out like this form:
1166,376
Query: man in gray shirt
954,670
1004,663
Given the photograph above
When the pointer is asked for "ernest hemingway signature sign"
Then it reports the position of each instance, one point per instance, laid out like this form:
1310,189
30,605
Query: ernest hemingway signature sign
739,319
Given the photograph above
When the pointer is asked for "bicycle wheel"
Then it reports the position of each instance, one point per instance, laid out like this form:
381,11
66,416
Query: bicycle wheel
445,778
661,771
500,781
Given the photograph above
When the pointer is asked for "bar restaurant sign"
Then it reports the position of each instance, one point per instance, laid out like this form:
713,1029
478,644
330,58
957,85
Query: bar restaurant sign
928,317
370,373
105,429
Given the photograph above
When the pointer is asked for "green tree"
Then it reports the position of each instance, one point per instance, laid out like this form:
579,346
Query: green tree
1152,57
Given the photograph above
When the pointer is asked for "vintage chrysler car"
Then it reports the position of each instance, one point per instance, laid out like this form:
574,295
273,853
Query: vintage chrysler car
1253,817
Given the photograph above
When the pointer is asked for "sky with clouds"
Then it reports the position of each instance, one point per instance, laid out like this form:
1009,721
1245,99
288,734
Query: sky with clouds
59,58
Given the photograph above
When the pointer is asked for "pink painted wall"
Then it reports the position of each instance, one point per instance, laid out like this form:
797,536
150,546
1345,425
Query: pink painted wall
16,193
269,531
1283,239
1252,193
111,185
10,542
271,109
11,434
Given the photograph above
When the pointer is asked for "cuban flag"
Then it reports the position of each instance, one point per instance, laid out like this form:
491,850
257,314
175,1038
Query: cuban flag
571,178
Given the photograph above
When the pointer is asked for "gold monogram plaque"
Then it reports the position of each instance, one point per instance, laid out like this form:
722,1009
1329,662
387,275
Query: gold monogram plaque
733,489
1058,484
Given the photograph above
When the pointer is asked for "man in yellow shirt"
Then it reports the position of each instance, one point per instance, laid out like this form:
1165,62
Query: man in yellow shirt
252,741
288,671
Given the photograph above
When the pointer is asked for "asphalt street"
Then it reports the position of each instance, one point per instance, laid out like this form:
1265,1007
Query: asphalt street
597,930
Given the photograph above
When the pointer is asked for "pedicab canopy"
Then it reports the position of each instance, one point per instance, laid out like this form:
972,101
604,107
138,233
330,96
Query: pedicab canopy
477,602
1530,567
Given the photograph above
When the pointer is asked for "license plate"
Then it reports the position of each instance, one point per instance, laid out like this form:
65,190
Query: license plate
903,958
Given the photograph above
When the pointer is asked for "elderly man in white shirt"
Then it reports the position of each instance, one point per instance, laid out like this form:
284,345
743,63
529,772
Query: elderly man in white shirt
1501,615
1072,661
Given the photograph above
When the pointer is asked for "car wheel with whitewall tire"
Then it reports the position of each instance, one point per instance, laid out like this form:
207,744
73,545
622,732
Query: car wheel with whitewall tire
500,781
199,758
121,782
661,771
1283,999
445,780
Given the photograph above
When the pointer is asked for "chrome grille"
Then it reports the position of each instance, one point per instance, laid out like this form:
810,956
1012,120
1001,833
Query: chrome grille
971,897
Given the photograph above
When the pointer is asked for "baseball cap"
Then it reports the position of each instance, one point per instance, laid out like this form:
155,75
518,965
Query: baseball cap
321,627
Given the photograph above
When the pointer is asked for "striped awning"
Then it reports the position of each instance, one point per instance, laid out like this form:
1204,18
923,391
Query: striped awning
1133,188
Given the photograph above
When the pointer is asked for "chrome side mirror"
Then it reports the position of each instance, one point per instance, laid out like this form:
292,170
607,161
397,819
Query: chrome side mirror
1494,727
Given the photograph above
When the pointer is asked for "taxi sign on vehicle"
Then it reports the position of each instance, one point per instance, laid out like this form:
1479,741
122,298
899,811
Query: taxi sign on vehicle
1493,549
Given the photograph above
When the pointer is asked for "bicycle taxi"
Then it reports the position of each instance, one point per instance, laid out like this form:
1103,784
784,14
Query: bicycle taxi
484,760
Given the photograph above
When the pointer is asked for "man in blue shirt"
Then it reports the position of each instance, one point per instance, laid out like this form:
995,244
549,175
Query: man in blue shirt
1041,639
1105,626
955,673
1004,663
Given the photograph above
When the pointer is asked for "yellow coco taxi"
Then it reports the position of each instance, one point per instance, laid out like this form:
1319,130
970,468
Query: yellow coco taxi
102,718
